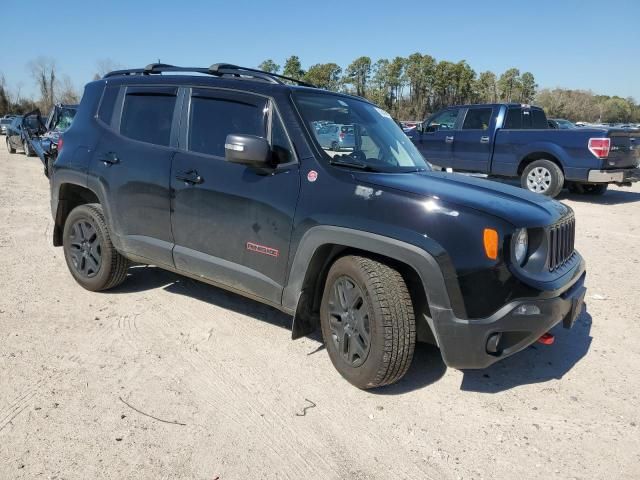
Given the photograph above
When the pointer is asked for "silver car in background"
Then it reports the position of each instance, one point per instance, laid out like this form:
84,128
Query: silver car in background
336,137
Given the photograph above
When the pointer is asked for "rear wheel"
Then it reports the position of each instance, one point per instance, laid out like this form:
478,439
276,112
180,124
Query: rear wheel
91,257
10,148
543,176
368,322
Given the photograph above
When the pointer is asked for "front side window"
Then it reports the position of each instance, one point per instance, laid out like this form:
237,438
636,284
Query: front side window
355,133
147,117
477,119
443,121
211,119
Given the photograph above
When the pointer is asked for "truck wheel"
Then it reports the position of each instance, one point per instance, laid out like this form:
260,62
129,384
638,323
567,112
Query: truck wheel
589,188
91,257
335,147
368,323
543,176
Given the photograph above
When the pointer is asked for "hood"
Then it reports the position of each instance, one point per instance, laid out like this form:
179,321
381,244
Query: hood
515,205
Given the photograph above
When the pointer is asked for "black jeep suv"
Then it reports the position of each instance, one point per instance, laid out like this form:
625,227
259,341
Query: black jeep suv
221,177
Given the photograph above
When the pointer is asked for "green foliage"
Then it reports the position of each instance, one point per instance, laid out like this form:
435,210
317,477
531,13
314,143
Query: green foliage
584,106
324,75
357,74
269,66
293,68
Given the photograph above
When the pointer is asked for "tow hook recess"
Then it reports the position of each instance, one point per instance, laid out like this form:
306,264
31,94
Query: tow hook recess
547,339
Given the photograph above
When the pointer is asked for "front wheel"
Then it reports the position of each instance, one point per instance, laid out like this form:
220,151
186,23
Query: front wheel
10,149
543,176
91,257
368,322
27,148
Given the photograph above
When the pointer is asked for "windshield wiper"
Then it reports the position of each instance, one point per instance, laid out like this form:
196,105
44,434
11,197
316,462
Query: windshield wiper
351,163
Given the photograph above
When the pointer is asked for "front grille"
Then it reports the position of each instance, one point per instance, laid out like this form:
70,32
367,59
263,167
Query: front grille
561,238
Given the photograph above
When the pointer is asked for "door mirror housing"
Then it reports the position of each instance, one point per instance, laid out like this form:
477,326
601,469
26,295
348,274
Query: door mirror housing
249,150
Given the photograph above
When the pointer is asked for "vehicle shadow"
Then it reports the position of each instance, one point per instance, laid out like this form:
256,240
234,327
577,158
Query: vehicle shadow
426,368
141,278
537,363
611,197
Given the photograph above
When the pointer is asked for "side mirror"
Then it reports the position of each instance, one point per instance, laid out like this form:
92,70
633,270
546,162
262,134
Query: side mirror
248,150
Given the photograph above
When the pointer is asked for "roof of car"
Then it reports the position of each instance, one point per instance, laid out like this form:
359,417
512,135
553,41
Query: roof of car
510,104
250,80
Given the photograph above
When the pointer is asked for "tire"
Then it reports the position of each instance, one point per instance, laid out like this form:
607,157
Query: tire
48,166
27,149
10,148
589,188
544,177
335,147
363,298
96,265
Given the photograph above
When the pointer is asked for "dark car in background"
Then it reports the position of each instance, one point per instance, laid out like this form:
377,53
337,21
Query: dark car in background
45,145
560,123
20,131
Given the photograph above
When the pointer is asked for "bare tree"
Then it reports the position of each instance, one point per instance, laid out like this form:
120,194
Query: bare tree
67,92
43,70
104,66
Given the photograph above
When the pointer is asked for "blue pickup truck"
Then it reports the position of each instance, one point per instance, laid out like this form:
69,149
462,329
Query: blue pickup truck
514,141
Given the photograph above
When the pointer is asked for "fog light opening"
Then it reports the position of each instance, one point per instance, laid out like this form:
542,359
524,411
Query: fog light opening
527,309
493,342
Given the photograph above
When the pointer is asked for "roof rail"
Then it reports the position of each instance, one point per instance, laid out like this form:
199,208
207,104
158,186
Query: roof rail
217,69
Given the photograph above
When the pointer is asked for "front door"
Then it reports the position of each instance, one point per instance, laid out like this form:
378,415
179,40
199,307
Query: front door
231,223
437,137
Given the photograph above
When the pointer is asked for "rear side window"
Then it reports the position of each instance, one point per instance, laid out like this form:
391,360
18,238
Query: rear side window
147,117
538,119
212,119
477,119
107,104
514,118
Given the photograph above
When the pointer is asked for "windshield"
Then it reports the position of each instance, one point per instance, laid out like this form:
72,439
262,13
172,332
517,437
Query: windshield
65,119
355,133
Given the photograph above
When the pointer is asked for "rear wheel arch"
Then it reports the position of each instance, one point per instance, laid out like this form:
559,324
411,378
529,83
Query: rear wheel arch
70,196
541,155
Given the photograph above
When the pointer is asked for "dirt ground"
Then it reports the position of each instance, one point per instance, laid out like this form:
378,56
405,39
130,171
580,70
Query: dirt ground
249,403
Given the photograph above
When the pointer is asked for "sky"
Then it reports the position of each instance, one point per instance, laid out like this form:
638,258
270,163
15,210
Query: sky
564,43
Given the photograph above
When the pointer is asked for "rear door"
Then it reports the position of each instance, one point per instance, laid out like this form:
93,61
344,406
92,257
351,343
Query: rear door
436,140
232,224
473,142
132,165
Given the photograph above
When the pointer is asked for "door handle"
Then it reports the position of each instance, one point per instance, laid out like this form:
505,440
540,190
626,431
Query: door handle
190,176
110,158
484,139
448,139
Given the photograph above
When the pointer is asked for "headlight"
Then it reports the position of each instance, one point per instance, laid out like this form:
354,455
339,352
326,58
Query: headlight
521,245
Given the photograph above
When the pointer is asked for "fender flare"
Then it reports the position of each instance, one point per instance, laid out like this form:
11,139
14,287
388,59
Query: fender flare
432,266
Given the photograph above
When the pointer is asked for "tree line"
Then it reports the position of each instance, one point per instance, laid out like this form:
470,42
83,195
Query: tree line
413,86
409,87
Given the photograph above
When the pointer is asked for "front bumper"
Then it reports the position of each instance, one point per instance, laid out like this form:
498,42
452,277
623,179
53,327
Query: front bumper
621,176
469,344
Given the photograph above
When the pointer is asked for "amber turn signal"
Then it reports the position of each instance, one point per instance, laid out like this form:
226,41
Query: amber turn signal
490,238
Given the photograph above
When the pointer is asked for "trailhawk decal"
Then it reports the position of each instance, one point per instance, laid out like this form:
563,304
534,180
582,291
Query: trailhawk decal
254,247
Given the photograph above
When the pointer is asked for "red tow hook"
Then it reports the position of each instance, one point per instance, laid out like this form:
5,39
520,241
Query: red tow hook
547,339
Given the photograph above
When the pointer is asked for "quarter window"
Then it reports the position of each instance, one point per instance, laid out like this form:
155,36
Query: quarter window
148,117
280,145
477,119
212,119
